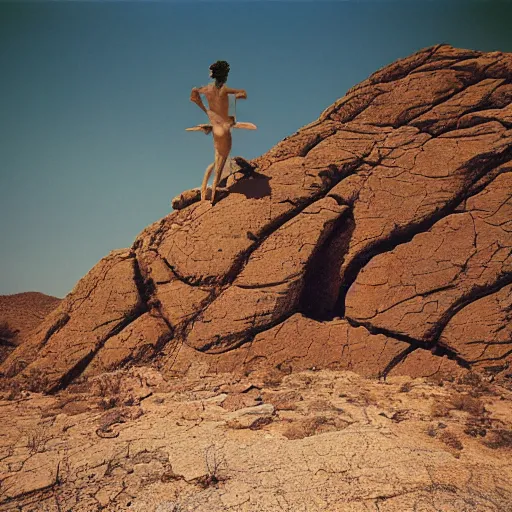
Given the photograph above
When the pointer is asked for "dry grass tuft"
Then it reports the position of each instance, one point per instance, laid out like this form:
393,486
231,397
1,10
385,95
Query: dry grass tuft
405,387
451,440
468,403
108,385
499,438
477,426
439,410
36,381
11,390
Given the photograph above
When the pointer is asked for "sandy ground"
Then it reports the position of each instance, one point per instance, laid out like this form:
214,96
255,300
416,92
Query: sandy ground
311,441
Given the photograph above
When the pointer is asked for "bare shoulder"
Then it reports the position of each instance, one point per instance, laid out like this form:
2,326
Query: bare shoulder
224,90
203,89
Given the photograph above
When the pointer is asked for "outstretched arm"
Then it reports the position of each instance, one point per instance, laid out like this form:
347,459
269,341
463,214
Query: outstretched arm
240,94
196,98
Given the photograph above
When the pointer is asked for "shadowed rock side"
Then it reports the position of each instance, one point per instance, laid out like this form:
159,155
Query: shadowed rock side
369,240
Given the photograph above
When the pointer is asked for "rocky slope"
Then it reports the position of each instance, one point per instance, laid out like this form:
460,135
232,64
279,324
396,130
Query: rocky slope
376,239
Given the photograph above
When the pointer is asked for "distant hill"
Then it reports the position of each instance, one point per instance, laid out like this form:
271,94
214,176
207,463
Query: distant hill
23,312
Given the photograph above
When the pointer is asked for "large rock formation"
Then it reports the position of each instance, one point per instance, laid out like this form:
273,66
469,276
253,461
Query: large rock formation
378,239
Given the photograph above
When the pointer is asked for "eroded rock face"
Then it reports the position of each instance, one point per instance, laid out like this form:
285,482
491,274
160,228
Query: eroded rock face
369,240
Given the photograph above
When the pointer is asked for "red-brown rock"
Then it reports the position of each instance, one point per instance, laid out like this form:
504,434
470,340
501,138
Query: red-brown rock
377,238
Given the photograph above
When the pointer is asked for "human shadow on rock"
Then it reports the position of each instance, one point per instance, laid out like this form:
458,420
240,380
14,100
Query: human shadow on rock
254,187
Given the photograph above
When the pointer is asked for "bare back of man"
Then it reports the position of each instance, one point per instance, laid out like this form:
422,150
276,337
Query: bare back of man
217,96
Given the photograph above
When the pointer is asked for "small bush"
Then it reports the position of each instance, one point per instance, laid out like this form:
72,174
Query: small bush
477,426
405,387
478,386
37,439
499,438
439,410
470,379
468,403
109,403
214,464
36,380
11,390
451,440
109,384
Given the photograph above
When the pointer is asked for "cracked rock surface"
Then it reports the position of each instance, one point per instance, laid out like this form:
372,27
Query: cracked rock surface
369,240
312,441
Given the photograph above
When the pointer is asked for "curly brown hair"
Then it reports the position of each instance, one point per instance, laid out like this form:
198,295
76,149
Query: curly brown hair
220,71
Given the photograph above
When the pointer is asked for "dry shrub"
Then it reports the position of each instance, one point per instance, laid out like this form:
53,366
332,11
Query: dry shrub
405,387
477,426
11,390
109,403
215,463
499,438
478,386
439,409
451,440
36,381
468,403
37,438
108,384
470,379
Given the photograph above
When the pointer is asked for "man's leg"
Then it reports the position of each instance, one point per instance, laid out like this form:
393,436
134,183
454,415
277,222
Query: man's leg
207,174
220,161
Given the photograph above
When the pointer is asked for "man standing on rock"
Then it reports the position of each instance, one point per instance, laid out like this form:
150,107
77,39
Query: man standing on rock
220,121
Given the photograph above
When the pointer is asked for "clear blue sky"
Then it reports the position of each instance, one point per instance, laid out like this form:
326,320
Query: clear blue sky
94,100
